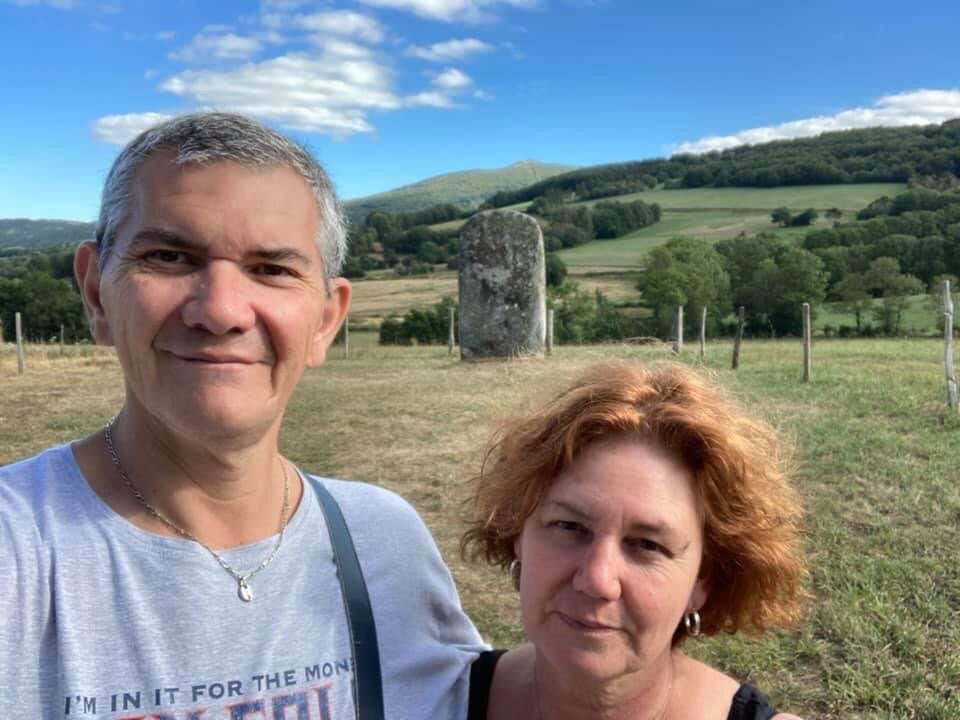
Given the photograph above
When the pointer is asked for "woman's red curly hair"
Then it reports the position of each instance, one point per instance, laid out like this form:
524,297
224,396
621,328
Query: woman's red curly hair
752,560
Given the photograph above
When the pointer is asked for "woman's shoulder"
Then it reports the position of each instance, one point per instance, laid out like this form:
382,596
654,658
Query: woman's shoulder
711,691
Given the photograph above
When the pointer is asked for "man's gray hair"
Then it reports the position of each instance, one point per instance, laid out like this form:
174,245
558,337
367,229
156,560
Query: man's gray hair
205,138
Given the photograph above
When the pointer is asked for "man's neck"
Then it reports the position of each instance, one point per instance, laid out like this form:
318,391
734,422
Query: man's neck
224,493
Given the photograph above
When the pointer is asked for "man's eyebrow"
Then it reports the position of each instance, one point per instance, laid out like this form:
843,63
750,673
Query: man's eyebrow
175,240
156,235
283,254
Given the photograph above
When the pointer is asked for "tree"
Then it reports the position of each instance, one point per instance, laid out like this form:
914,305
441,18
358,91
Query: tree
781,216
854,295
689,272
779,286
807,217
556,269
883,277
834,213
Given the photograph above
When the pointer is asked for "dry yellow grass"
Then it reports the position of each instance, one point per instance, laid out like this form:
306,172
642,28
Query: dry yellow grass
876,466
376,299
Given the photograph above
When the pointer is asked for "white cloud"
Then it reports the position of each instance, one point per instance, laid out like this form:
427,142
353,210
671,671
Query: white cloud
164,35
430,98
59,4
451,10
914,107
482,95
342,22
449,50
331,93
446,86
452,80
121,129
149,74
209,45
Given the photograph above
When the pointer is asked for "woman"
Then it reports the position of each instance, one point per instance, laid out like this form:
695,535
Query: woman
636,509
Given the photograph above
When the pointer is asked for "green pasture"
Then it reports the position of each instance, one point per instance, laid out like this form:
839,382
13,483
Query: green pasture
875,458
849,198
716,213
919,316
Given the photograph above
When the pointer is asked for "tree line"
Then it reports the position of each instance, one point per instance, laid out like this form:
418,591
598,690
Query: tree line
39,286
928,154
404,242
897,247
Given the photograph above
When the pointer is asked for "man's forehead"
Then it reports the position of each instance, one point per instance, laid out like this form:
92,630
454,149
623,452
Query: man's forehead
219,200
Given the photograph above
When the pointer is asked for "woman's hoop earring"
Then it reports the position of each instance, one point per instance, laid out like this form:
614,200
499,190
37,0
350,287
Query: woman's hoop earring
514,571
691,621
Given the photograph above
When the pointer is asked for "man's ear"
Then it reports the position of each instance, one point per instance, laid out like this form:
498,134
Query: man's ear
335,307
86,270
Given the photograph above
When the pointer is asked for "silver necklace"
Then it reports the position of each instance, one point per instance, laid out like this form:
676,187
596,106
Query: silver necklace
243,579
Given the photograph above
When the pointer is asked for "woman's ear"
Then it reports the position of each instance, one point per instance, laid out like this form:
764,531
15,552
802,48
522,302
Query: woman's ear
698,598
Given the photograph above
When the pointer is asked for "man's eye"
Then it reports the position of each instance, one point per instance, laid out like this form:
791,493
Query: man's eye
166,256
272,270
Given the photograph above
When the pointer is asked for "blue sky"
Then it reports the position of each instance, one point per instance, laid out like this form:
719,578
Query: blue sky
388,92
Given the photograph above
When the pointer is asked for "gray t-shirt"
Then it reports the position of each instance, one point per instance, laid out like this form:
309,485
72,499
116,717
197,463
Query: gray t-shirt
100,619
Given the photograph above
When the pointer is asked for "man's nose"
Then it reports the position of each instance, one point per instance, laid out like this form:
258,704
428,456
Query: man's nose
219,301
600,570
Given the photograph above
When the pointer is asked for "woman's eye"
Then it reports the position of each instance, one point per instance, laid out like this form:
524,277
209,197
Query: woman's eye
647,545
568,526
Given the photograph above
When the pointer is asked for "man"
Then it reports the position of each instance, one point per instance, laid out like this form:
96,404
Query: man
174,566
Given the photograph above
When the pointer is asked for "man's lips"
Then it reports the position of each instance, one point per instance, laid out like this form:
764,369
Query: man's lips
214,358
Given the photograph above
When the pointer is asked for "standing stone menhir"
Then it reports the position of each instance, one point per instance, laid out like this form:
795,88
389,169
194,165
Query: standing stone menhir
502,286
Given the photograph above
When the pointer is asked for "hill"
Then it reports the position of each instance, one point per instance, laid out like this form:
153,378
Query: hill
35,234
928,155
466,189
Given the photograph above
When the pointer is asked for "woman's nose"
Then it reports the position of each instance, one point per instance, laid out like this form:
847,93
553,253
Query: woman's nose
599,572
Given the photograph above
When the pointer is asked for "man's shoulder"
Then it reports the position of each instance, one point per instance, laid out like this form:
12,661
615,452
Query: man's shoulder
354,496
30,480
376,516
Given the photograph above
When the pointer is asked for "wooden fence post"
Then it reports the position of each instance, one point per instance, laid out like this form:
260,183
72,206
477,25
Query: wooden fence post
346,336
735,363
19,328
703,332
806,342
549,331
678,327
61,339
952,399
451,334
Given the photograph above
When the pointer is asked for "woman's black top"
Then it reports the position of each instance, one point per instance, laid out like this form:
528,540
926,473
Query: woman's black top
748,704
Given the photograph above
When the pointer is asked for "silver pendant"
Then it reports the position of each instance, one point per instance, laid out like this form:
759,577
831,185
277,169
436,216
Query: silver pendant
243,590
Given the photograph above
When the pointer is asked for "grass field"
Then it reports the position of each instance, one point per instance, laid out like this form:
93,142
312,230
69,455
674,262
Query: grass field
876,463
716,213
919,316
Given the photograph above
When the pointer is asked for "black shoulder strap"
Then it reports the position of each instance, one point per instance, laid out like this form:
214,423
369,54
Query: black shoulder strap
367,683
481,680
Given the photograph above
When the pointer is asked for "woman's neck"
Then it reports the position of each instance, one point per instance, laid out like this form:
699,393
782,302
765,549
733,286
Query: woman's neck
640,695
